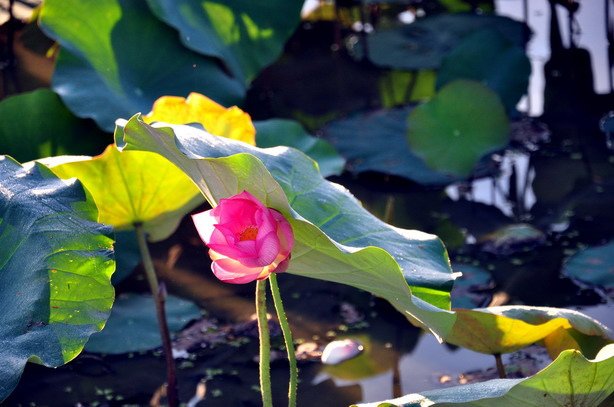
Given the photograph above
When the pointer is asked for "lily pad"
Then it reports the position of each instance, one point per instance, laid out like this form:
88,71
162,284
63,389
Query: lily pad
50,128
336,239
472,287
594,266
133,187
55,269
117,59
505,329
377,141
462,123
133,326
487,56
424,43
281,132
570,380
246,35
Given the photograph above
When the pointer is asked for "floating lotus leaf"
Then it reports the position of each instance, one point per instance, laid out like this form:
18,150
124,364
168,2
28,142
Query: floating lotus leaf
246,35
571,380
462,123
116,59
594,266
133,327
55,269
133,187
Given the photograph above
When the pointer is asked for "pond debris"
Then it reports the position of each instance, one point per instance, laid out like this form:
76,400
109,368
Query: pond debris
199,394
340,351
308,351
350,314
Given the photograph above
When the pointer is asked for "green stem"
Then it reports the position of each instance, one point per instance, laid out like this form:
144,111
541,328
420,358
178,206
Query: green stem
265,344
285,329
500,366
159,295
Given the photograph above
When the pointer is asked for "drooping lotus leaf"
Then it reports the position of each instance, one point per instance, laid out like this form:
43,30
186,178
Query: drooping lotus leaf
50,129
117,59
505,329
594,266
229,122
424,43
55,267
133,326
133,187
462,123
487,56
571,380
246,35
281,132
377,141
336,239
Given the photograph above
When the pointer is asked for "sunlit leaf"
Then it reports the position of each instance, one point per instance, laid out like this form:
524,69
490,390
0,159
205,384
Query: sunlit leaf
117,59
365,253
463,122
230,122
571,380
55,267
49,129
280,132
246,35
133,187
509,328
133,327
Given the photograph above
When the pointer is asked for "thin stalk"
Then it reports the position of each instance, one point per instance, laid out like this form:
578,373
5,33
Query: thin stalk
265,344
159,295
500,366
285,329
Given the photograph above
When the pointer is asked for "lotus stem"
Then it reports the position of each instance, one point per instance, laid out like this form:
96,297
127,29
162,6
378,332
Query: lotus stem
158,292
265,344
500,366
285,329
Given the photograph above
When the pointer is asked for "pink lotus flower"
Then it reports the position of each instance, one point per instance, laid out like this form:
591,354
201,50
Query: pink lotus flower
247,240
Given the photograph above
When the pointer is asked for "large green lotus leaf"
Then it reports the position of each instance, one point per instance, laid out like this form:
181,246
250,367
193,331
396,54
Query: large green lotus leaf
462,123
117,59
377,141
133,187
133,326
594,266
424,43
246,35
280,132
55,270
487,56
570,380
336,239
50,128
505,329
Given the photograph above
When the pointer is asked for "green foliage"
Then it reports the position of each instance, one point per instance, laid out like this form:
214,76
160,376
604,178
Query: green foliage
463,122
402,87
487,56
593,266
133,187
50,128
55,267
280,132
246,35
117,59
132,326
571,380
336,239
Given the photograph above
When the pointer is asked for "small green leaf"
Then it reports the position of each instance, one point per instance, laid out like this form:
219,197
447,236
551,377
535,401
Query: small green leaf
336,239
246,35
49,128
279,132
463,122
133,326
133,187
571,380
55,267
117,59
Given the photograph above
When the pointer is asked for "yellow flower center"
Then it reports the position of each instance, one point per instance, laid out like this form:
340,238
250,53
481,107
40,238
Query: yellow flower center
249,233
